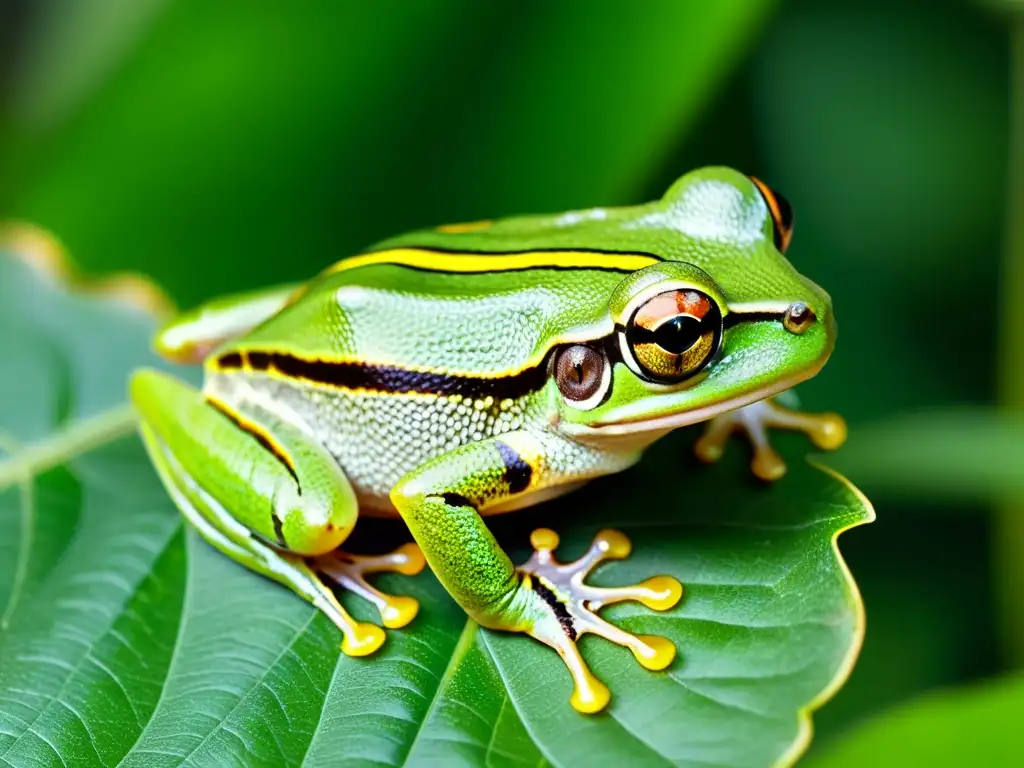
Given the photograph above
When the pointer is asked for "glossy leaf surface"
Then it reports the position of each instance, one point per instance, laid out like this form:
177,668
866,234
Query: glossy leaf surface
126,640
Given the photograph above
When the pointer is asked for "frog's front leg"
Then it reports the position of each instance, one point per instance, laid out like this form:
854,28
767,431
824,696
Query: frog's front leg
191,336
826,430
548,600
267,496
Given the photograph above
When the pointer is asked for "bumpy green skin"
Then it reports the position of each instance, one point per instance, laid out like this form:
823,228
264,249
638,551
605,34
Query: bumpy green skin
197,488
259,487
440,460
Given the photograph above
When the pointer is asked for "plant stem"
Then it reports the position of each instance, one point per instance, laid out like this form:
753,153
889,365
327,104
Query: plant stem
78,438
1009,519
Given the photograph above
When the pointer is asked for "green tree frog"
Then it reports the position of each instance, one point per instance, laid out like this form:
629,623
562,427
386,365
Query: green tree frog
473,369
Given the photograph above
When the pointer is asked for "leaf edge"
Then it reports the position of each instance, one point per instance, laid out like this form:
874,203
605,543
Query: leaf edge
41,251
805,714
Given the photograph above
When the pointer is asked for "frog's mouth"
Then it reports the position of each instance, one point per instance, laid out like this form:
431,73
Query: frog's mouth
657,425
759,360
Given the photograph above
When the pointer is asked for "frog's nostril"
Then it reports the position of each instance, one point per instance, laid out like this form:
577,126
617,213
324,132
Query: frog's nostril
798,318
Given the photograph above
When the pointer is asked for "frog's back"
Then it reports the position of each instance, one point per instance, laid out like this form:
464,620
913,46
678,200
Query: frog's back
403,353
441,337
427,306
491,297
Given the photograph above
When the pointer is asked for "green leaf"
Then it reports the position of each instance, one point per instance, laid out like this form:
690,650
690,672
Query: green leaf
127,640
976,725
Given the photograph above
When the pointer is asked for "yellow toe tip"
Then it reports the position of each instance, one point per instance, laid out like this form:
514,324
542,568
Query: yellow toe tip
614,544
768,466
655,653
830,432
665,592
707,451
413,561
363,640
591,698
399,611
544,538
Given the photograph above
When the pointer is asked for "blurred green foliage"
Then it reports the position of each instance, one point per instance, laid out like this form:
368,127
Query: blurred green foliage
258,144
226,146
979,725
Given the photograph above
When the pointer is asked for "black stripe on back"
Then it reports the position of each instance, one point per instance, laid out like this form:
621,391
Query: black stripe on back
387,378
514,252
531,268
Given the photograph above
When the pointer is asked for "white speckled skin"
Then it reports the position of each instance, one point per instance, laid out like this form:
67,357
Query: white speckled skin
378,438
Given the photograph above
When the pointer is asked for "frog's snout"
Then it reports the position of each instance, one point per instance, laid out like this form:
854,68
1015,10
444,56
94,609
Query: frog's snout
812,310
815,314
798,318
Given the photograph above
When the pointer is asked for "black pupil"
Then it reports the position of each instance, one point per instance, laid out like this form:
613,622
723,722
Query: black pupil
678,334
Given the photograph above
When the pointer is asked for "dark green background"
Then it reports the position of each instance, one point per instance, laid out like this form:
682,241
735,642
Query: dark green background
225,146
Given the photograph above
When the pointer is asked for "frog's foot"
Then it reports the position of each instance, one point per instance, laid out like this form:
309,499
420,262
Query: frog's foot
565,608
359,638
349,571
826,430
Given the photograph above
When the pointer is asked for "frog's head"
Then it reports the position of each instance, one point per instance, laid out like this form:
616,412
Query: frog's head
723,321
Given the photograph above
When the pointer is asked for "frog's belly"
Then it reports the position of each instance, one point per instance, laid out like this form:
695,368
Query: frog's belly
376,438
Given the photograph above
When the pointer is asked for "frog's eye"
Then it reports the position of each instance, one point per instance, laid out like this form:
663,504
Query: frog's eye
782,214
582,374
675,334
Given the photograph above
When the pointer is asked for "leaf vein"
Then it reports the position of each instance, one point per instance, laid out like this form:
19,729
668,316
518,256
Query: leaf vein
462,646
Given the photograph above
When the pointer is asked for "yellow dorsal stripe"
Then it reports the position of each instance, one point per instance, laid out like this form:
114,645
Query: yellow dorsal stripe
443,261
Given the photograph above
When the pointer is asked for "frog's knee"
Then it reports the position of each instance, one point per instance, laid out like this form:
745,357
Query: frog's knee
166,403
149,389
313,520
313,540
309,532
140,383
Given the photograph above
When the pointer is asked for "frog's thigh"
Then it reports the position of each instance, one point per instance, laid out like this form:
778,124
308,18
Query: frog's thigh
194,334
241,489
268,476
542,598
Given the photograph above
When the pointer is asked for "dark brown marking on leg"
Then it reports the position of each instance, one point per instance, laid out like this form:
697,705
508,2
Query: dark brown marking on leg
517,471
557,607
456,500
278,529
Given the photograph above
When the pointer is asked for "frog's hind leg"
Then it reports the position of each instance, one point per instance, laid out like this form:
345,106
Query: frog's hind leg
259,491
349,572
223,533
825,430
194,334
